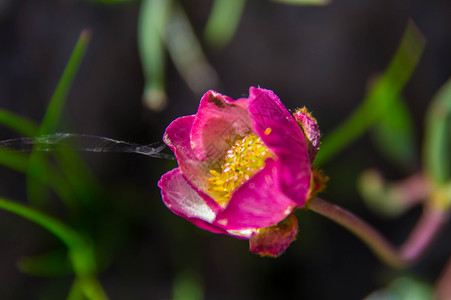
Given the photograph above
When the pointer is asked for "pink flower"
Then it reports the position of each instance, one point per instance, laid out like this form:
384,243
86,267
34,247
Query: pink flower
244,166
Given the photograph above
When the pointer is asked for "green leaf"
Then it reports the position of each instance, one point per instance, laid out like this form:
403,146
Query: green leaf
53,113
153,19
188,286
81,252
186,53
82,182
380,98
404,288
20,163
112,2
76,292
437,139
36,193
82,263
223,21
18,123
394,134
55,263
303,2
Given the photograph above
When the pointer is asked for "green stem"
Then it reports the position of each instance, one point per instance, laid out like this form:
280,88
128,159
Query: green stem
420,238
80,251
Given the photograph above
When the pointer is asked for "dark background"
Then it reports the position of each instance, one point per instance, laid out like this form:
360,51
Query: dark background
320,57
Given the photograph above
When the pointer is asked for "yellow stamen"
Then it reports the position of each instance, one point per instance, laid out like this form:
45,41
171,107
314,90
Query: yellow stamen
214,173
268,131
245,158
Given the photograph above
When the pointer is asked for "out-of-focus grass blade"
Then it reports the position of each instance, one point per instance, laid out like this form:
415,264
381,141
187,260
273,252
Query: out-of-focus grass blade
153,19
188,286
18,123
394,135
303,2
186,53
223,21
20,163
59,97
55,263
81,252
81,179
386,90
437,140
75,293
404,288
112,2
36,193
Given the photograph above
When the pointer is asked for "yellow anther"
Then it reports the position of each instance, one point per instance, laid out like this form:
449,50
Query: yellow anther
245,158
214,173
268,131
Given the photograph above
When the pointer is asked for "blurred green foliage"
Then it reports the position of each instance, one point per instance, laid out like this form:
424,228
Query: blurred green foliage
404,288
223,21
188,286
394,135
437,143
153,19
76,184
18,123
37,194
303,2
379,100
163,25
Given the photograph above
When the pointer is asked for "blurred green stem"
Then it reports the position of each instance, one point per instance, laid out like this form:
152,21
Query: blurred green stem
223,21
391,199
424,232
81,252
153,19
186,52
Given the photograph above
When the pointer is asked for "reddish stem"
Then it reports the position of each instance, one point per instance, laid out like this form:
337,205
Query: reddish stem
412,190
443,286
429,224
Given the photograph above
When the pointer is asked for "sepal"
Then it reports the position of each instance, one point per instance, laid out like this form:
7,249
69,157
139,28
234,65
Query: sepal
274,240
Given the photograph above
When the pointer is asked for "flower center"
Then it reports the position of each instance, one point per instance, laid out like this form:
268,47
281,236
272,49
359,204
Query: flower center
245,158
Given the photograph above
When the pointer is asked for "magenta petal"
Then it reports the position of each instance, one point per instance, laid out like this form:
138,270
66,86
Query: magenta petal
295,178
257,203
273,241
177,138
218,119
186,202
282,134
